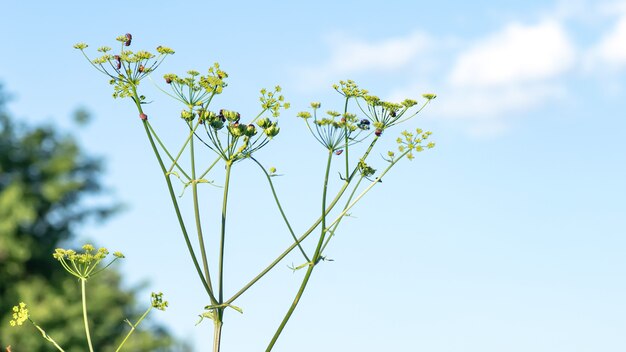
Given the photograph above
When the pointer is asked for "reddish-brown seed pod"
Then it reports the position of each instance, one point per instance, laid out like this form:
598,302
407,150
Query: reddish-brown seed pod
143,116
378,132
129,38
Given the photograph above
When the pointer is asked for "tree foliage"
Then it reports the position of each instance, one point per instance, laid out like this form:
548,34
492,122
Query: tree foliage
44,181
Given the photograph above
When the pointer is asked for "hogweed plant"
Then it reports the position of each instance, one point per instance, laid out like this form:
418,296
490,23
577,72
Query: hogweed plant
363,118
84,266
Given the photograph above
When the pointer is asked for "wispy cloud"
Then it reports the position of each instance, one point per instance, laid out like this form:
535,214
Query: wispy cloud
507,72
351,55
517,54
611,50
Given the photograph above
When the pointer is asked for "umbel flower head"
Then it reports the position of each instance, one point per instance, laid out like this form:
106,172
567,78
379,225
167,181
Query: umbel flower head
126,68
234,140
335,128
84,265
20,314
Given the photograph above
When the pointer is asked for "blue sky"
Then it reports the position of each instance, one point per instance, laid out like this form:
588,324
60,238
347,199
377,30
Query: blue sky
508,236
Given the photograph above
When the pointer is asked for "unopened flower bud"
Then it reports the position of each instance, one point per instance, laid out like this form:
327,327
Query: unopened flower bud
250,130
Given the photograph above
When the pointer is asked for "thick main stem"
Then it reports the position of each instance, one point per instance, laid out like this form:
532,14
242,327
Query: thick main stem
217,335
86,321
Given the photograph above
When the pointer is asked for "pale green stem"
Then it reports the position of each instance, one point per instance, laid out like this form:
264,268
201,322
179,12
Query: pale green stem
223,233
196,211
85,320
46,336
173,198
334,228
132,328
280,208
304,235
217,335
219,312
167,151
309,271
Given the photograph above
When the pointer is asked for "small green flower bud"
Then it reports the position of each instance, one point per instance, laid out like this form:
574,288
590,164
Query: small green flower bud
80,46
316,105
236,130
272,170
272,131
186,115
250,130
304,114
264,123
429,96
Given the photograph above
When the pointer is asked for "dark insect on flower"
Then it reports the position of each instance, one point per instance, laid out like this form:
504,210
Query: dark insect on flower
141,68
168,80
338,152
129,38
364,124
143,116
118,61
392,114
343,120
378,132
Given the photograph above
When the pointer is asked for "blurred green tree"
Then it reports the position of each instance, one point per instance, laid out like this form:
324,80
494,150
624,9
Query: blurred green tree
44,180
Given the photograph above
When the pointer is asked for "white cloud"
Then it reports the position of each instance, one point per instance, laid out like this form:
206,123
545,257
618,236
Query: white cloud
517,54
351,55
611,49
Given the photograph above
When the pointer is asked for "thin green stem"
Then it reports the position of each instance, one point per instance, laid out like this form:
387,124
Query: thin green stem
223,233
305,234
334,227
280,208
156,136
364,192
132,328
196,212
173,198
46,336
85,320
316,257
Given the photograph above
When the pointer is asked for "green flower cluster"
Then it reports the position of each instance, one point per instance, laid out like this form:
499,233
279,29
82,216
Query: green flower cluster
412,142
157,301
84,265
333,130
241,139
196,90
127,68
20,314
